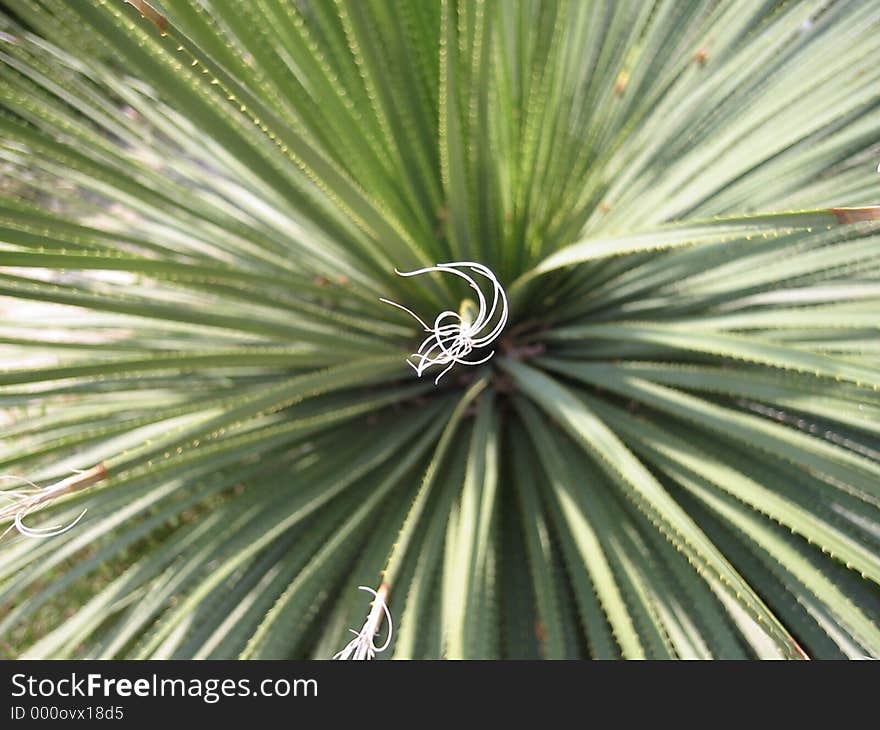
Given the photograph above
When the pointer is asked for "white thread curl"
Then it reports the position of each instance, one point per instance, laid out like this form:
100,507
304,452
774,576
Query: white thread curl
363,646
24,501
453,337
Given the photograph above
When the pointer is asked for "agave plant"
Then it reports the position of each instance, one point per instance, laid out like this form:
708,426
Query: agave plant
208,416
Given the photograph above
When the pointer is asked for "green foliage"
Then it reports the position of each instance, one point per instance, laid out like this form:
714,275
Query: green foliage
675,452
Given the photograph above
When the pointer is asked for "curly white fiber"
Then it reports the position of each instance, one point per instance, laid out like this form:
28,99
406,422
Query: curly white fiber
453,337
24,501
363,646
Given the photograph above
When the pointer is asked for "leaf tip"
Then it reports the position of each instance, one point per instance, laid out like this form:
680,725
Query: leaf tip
857,215
150,13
